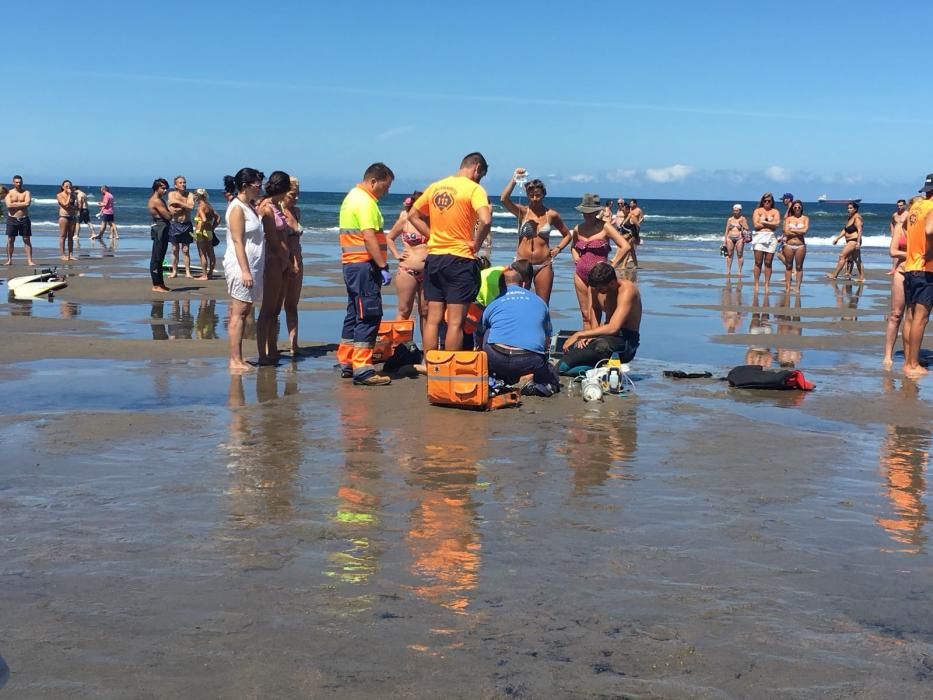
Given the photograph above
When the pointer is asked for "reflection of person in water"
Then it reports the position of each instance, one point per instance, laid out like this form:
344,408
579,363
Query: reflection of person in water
905,452
264,455
730,302
182,323
157,321
442,535
358,517
596,454
206,322
847,297
788,324
760,325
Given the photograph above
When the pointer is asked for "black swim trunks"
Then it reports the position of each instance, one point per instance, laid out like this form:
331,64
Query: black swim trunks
18,227
451,279
179,232
84,216
918,288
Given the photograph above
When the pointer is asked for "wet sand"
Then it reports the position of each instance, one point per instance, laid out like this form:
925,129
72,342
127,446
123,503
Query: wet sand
171,531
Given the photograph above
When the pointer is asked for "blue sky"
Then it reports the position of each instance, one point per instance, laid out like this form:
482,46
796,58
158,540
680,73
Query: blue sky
653,99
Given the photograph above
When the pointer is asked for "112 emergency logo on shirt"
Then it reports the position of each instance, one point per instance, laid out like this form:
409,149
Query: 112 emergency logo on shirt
443,200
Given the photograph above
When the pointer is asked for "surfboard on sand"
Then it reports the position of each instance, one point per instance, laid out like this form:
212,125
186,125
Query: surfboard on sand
37,284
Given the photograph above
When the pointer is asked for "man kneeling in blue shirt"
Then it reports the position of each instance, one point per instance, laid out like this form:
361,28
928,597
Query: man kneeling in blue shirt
517,330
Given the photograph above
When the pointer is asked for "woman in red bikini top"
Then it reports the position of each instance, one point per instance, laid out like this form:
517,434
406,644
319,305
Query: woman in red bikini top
410,275
590,246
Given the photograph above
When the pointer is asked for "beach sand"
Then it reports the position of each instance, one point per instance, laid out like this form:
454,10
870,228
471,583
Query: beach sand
170,531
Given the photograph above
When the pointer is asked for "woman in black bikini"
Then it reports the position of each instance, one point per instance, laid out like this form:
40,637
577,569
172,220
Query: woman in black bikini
853,236
536,222
796,225
67,219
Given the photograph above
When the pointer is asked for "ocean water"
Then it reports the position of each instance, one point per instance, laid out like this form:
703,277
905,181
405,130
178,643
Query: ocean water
688,224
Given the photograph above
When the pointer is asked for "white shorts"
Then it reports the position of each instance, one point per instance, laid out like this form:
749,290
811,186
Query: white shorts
764,241
251,295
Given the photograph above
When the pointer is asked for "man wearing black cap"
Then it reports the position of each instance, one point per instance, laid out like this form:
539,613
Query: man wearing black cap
918,277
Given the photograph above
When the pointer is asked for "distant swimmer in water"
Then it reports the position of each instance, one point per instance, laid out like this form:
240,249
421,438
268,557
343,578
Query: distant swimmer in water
766,220
733,238
796,225
852,232
536,221
590,247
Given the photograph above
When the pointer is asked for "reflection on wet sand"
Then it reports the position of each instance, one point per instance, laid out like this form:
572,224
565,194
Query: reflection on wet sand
358,514
180,324
443,535
789,324
731,301
600,446
847,299
903,458
760,325
265,451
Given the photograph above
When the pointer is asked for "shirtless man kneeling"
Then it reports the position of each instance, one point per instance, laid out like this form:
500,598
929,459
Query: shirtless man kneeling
621,301
17,223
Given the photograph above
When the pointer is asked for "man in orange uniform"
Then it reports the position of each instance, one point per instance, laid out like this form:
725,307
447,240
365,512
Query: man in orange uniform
365,271
451,274
918,278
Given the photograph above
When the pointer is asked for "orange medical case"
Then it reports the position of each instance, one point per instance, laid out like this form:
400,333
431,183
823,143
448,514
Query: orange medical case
391,334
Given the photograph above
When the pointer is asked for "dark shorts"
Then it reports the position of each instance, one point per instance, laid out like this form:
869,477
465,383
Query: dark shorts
179,232
451,279
84,216
601,348
106,218
18,227
918,288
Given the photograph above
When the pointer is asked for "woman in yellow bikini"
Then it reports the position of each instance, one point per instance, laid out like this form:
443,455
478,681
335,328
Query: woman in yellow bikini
205,221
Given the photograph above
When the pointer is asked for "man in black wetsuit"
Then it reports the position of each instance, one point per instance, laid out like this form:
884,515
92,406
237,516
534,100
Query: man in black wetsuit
159,232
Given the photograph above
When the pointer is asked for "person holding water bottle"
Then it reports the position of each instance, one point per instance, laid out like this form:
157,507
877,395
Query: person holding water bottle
535,223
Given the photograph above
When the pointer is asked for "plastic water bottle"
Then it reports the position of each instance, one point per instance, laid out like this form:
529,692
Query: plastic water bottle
521,180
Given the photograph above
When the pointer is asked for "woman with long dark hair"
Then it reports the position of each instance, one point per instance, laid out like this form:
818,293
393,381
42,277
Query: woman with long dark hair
278,265
796,225
244,259
293,282
851,252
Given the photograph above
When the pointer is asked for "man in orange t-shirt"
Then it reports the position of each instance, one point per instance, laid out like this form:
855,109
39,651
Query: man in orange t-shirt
918,277
451,273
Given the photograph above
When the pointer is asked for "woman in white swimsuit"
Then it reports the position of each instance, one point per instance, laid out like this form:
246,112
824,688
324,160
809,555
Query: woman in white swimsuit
796,225
244,258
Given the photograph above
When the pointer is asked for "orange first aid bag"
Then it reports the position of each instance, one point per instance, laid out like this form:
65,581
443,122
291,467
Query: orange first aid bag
391,334
458,378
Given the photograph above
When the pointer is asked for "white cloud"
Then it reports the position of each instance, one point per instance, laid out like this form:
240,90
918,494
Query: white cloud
673,173
620,174
778,173
581,177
